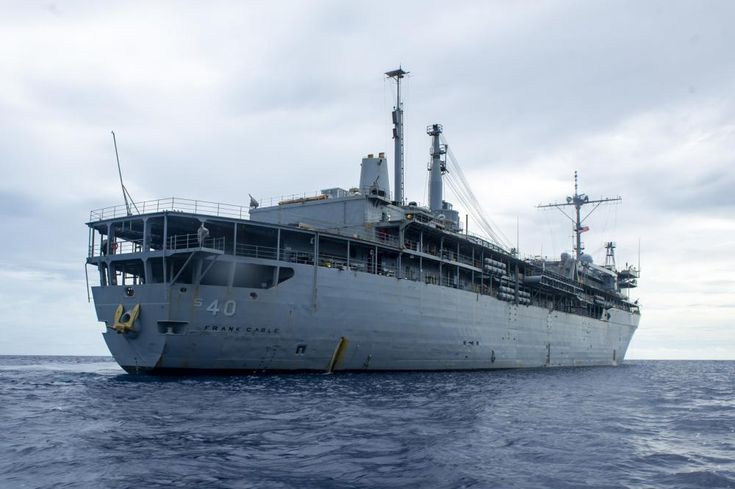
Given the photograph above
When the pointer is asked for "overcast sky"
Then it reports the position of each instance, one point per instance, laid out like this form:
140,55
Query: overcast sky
215,100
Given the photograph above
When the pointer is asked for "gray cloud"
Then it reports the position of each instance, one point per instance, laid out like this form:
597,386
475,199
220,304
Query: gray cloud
274,98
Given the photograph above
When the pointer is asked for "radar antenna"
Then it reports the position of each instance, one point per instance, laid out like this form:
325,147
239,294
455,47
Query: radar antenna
578,201
126,194
398,134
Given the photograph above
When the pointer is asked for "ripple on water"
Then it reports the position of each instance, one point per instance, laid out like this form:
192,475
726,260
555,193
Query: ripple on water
76,422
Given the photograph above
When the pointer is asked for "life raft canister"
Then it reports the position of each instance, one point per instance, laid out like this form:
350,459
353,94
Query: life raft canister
124,321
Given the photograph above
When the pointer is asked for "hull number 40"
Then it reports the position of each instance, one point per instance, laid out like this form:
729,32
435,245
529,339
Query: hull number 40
228,308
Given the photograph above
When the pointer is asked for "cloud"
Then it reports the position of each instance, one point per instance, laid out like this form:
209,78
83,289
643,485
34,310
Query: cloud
218,101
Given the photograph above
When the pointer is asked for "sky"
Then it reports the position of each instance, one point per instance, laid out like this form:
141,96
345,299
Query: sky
216,100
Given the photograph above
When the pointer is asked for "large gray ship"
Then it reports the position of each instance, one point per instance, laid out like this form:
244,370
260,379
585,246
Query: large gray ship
348,280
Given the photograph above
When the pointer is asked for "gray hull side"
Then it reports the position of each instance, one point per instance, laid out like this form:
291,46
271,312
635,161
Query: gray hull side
353,321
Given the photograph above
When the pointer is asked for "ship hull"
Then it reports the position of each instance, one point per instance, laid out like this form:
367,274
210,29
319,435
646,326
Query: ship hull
340,320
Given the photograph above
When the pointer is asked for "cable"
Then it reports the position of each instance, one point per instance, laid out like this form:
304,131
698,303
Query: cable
477,215
462,189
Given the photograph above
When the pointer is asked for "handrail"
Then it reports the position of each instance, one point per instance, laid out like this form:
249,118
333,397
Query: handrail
117,247
172,204
384,237
255,251
189,241
291,198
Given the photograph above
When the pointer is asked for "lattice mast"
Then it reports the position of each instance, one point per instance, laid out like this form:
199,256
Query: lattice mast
397,75
578,201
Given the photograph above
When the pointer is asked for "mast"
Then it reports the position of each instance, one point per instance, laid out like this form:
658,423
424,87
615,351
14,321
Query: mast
398,135
578,201
610,256
437,168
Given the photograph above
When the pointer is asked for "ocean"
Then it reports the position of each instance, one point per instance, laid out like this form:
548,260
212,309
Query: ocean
80,422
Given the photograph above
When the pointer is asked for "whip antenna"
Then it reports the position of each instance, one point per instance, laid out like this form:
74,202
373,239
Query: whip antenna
126,194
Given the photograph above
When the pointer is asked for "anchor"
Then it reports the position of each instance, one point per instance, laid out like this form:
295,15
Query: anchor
124,321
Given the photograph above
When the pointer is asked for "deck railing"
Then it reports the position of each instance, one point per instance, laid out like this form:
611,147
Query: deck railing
189,241
384,237
171,204
255,251
290,198
120,247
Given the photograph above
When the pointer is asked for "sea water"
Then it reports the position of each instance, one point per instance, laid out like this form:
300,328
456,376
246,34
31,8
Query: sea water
82,422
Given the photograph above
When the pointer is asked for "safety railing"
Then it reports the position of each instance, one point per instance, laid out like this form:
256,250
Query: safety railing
134,246
306,257
384,237
449,255
468,260
176,204
431,279
255,251
291,198
412,245
119,247
189,241
448,282
333,261
484,242
304,197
